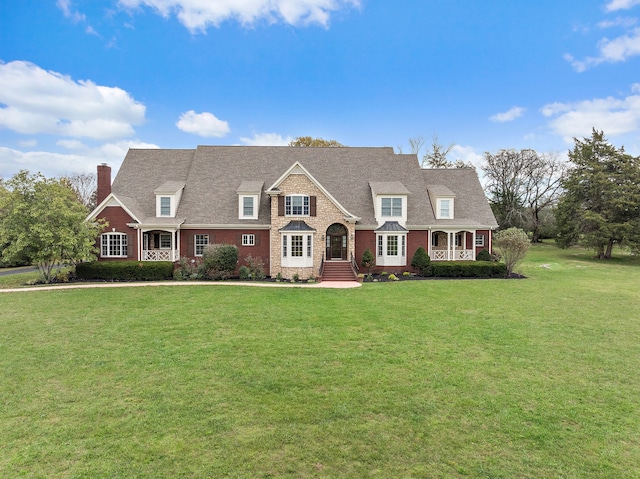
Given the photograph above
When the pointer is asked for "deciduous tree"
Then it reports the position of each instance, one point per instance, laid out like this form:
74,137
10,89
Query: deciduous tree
521,185
512,244
42,221
309,141
600,206
84,185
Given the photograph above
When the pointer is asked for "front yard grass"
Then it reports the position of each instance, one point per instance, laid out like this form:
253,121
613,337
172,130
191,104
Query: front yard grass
458,378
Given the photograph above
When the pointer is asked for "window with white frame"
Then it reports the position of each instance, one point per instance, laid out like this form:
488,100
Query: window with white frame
248,240
248,207
479,240
391,207
165,240
459,239
113,245
165,206
297,250
392,250
200,242
296,205
444,208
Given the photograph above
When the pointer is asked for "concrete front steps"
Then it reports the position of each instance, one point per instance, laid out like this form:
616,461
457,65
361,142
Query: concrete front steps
338,271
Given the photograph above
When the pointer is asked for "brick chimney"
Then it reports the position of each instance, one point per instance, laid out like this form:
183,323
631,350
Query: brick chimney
104,182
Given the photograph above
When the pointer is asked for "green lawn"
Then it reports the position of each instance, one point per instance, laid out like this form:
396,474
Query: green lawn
533,378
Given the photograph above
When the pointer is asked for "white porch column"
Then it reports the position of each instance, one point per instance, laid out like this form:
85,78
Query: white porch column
473,244
451,246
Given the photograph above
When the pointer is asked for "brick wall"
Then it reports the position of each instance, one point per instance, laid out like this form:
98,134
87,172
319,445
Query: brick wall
118,219
230,236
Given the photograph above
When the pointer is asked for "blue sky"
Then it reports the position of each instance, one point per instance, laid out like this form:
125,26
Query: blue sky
81,81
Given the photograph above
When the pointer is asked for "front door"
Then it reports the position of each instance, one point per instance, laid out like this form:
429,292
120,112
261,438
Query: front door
337,242
336,247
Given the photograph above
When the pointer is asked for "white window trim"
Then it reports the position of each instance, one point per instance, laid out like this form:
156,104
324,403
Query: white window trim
241,214
402,219
160,235
196,244
124,246
480,240
291,214
304,261
248,240
439,215
172,206
384,259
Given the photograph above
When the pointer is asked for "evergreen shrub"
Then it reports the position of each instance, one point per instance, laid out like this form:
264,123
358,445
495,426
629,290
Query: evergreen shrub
125,270
422,262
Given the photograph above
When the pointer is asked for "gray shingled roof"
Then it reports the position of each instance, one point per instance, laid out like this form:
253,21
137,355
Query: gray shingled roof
213,176
471,207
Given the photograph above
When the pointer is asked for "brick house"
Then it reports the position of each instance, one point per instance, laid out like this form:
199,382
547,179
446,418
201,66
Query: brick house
301,210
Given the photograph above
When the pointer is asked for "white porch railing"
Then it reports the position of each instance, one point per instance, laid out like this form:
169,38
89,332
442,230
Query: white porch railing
456,255
160,255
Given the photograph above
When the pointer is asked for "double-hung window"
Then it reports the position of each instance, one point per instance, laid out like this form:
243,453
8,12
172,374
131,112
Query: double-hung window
479,240
113,245
296,205
248,207
165,206
200,242
444,208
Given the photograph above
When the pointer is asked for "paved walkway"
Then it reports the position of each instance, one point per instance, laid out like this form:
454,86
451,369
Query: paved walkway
323,284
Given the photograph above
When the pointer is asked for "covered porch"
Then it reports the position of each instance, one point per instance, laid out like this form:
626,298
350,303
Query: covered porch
452,245
160,245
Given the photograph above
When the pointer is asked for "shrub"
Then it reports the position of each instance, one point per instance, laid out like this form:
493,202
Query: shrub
243,272
296,277
368,260
484,255
468,269
422,262
512,244
256,267
185,270
393,277
125,270
219,260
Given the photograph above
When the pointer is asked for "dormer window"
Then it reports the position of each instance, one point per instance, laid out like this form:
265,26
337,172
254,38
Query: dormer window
249,199
444,208
391,207
165,206
390,200
168,197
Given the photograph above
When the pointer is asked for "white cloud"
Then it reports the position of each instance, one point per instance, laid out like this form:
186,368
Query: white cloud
39,101
71,144
611,51
266,139
203,124
467,154
624,22
67,11
614,5
198,15
52,164
612,115
510,115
